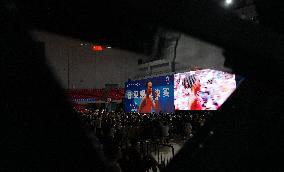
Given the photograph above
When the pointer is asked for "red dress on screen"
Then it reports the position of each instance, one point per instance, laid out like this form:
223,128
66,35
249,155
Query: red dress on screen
195,105
146,105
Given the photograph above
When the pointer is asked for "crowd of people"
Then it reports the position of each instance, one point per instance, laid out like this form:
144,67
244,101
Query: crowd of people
120,133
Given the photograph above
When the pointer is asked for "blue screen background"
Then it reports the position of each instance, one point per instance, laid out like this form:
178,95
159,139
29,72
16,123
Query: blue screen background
134,93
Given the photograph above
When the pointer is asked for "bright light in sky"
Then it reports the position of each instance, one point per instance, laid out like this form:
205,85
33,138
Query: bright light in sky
228,2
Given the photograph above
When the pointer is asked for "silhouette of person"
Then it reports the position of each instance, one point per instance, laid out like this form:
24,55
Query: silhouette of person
41,129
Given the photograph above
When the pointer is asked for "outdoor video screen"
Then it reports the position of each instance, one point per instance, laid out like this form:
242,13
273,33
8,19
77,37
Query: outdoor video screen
150,95
202,89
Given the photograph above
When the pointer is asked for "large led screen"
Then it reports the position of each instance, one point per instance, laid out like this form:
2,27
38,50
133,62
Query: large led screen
202,89
150,95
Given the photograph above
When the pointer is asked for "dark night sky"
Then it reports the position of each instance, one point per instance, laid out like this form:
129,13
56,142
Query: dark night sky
131,25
